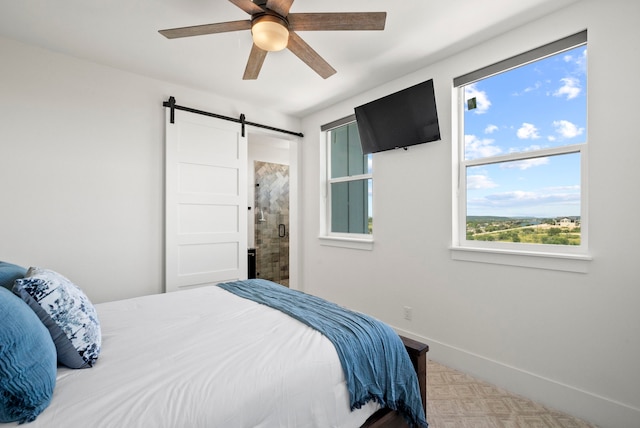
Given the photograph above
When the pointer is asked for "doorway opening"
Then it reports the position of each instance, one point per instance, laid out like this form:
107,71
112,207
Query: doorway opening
269,220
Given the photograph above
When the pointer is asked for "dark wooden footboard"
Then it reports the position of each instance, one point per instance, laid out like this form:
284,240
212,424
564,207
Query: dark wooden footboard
388,418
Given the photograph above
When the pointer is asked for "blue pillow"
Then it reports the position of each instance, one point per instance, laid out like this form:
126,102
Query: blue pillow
27,361
67,312
9,273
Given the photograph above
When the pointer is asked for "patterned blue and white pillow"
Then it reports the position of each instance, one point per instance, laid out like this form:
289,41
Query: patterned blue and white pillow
66,311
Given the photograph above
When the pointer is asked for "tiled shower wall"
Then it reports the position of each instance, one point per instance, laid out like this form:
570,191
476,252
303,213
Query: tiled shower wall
272,221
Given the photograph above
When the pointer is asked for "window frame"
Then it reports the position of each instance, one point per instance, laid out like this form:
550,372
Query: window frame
542,256
360,241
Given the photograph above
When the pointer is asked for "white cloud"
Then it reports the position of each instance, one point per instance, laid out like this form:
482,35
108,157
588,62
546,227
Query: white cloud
548,202
567,129
475,147
525,164
570,88
528,131
513,196
580,61
520,198
537,85
475,182
482,100
490,129
564,189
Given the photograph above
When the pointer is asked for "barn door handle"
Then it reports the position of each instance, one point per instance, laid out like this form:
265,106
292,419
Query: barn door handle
282,231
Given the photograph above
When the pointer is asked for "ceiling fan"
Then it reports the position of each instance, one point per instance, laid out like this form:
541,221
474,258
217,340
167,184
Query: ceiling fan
273,28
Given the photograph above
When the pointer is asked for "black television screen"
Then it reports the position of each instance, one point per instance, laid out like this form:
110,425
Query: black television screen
405,118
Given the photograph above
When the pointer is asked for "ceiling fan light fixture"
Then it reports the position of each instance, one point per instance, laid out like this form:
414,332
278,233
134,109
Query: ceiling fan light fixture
270,33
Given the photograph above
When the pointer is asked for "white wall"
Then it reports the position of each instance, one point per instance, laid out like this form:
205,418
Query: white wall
569,340
82,166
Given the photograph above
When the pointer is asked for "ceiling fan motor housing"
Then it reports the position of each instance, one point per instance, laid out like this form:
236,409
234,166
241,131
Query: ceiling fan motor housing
270,31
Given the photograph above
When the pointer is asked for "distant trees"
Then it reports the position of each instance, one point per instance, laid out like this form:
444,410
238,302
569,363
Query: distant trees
525,231
554,231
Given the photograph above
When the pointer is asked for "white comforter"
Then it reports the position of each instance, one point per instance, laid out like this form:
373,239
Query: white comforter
204,358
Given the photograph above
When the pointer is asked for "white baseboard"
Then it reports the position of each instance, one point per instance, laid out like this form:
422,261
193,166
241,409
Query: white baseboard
585,405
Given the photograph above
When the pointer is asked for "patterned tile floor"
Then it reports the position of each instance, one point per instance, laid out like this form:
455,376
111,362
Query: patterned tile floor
457,400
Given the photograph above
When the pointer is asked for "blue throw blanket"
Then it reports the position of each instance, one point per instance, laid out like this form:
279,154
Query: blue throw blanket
374,360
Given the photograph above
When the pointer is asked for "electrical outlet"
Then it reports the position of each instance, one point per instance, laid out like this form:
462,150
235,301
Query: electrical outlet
408,313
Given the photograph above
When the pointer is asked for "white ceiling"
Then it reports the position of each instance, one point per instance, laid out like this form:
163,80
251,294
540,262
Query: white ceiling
124,34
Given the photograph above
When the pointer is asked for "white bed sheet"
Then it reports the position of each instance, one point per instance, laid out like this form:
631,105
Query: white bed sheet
204,358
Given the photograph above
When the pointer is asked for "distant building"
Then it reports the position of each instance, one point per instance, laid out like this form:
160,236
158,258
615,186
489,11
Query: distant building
566,222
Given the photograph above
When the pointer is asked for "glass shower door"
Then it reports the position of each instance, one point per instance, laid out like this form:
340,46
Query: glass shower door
272,221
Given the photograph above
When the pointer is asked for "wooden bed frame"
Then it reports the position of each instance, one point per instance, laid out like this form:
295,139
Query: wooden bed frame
387,418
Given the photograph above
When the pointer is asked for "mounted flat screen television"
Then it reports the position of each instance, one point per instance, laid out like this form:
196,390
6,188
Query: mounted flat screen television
405,118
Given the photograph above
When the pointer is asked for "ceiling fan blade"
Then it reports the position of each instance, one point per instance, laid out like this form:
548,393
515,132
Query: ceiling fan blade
199,30
310,57
281,7
248,6
337,21
256,59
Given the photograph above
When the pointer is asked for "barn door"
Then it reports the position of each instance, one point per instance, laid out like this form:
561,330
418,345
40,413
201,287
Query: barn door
205,197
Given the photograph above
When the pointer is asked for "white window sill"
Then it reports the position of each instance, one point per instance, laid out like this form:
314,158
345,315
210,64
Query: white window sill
578,263
347,242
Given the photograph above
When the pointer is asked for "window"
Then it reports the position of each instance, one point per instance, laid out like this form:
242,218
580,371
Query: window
522,153
347,207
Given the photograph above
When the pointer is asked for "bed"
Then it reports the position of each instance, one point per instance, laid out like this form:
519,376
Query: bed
209,357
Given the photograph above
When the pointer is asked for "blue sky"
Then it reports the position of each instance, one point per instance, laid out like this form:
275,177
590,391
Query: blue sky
536,106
